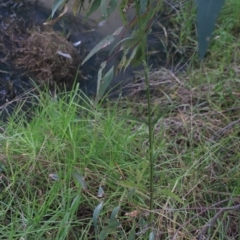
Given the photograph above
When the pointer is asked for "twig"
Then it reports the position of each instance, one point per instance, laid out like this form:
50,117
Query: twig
222,131
213,220
203,211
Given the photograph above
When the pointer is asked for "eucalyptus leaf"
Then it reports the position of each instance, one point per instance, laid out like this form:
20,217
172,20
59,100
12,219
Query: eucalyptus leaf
103,84
131,193
137,60
3,168
122,11
143,6
151,236
130,42
104,8
114,213
146,18
207,13
95,5
112,6
80,179
142,223
132,234
118,31
100,192
104,43
96,214
109,229
113,225
123,59
100,73
76,6
132,56
56,5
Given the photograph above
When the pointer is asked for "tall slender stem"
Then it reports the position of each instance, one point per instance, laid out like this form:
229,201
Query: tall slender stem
143,43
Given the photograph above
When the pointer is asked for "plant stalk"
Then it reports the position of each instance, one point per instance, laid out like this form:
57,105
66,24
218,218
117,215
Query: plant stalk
143,44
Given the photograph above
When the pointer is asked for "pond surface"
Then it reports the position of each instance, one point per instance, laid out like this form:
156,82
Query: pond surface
22,24
105,28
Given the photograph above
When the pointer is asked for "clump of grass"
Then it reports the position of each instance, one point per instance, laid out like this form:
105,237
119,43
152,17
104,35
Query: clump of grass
39,157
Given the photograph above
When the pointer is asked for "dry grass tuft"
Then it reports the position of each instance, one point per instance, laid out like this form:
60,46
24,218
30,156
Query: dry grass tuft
41,53
47,56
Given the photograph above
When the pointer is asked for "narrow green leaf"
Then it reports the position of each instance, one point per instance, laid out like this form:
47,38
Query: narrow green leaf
140,172
96,214
123,59
113,225
138,58
207,13
118,31
168,193
100,73
112,6
114,213
132,118
143,6
100,192
131,185
104,43
132,56
109,229
146,18
156,119
76,7
56,5
130,42
142,223
104,233
122,11
3,168
95,5
151,236
80,179
130,193
75,203
104,8
104,84
132,234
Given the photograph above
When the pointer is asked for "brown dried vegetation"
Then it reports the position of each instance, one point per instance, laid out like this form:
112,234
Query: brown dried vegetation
39,52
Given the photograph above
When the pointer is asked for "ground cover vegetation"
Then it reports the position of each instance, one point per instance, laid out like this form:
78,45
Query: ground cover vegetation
79,169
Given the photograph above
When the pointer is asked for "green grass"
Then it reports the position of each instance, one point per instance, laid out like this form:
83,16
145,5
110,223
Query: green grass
46,161
62,137
196,171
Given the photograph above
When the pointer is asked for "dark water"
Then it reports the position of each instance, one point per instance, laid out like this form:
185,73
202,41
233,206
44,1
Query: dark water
14,84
